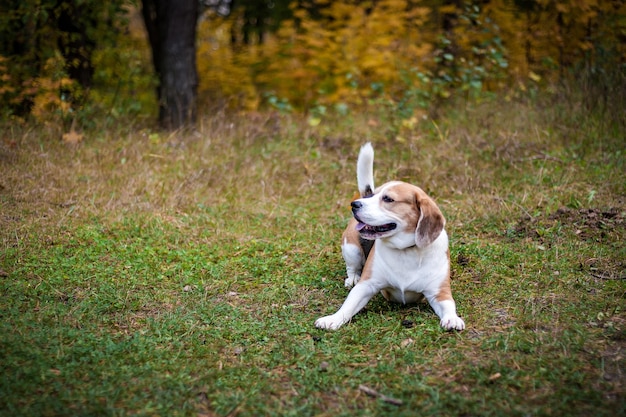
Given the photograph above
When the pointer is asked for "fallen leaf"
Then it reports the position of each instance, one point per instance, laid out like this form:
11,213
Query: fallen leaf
407,342
72,137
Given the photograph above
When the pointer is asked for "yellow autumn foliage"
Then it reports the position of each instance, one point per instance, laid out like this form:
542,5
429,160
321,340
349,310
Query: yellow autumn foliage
50,92
551,36
350,53
359,50
224,72
309,61
358,44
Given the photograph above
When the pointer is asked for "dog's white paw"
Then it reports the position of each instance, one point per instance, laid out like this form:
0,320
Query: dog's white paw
452,323
332,322
351,280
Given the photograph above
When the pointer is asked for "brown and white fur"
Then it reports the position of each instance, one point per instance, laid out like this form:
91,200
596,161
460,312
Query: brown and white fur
396,244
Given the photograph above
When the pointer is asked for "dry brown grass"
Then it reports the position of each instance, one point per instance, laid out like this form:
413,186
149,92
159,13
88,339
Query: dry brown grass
267,158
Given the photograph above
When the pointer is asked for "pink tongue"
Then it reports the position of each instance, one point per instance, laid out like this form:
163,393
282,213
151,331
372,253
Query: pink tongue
360,226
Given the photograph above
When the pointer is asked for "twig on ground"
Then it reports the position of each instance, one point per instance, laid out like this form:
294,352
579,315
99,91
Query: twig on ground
373,393
607,277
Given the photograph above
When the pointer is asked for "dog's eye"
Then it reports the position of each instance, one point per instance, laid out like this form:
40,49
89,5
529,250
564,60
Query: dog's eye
387,199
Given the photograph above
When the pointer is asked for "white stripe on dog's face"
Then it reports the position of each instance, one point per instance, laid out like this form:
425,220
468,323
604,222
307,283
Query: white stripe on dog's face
398,212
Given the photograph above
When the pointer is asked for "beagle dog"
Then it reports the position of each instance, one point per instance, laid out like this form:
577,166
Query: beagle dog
395,244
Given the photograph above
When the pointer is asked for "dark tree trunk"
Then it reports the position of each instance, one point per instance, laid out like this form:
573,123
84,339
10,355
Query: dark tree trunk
171,26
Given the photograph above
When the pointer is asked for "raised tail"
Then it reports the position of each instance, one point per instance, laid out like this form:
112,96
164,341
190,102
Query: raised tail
365,170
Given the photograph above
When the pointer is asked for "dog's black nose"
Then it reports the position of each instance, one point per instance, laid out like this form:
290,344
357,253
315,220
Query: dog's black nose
356,205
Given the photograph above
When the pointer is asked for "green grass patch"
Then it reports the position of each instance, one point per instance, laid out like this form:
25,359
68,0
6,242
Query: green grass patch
152,274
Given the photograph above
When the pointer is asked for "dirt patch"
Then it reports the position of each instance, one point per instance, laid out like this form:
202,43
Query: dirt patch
587,223
602,226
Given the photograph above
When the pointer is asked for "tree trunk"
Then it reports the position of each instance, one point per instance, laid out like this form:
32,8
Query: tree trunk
171,26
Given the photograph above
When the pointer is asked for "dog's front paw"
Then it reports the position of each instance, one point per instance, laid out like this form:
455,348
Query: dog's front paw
331,322
351,280
452,323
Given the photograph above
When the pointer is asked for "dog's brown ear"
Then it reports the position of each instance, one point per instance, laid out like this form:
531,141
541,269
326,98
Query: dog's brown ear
431,220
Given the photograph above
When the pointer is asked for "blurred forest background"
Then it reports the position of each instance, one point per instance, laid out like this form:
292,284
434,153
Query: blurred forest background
64,62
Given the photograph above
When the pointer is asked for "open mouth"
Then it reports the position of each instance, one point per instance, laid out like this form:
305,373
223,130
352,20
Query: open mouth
373,232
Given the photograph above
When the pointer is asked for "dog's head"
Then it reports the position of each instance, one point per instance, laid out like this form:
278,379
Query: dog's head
400,213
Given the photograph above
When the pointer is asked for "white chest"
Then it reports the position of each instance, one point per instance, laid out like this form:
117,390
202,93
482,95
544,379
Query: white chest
410,270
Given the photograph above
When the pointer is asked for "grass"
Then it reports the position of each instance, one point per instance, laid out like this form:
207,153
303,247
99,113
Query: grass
144,273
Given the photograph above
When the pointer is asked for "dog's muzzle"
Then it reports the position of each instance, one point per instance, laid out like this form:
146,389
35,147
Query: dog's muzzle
367,231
